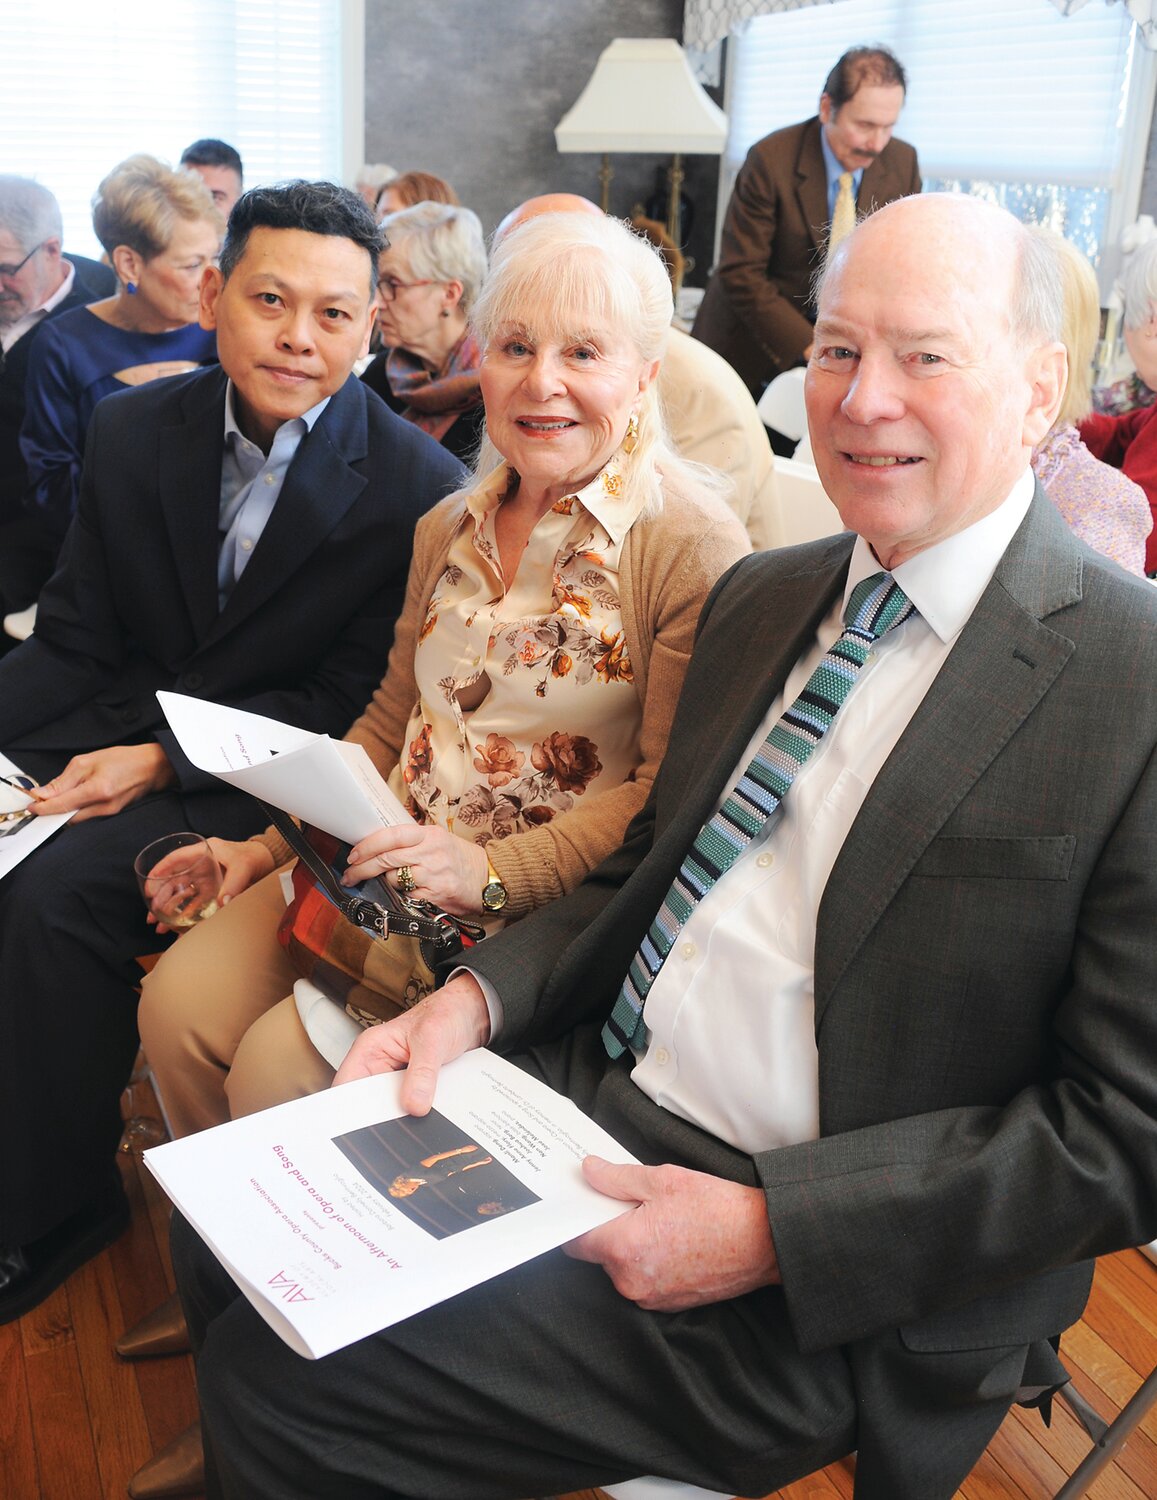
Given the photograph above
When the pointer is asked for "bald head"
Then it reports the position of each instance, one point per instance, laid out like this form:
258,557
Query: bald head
545,203
935,371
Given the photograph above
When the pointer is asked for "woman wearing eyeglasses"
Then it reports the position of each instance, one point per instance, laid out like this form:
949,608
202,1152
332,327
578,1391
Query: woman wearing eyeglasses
160,229
428,277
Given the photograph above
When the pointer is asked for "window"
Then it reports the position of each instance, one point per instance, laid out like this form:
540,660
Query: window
85,83
1007,98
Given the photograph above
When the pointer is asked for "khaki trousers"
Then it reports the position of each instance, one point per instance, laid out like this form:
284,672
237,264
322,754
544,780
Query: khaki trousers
217,1018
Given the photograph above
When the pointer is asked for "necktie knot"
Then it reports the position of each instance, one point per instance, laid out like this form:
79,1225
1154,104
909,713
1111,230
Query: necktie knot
877,604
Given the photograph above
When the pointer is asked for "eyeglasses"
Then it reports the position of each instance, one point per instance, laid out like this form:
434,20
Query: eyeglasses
17,817
12,270
390,286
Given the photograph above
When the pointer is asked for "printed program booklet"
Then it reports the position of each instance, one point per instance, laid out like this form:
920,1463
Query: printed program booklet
332,784
338,1215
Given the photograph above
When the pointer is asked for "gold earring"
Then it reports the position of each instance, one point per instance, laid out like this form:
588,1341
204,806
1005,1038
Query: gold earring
631,436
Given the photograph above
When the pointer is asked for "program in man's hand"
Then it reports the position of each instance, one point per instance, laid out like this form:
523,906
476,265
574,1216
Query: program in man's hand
338,1214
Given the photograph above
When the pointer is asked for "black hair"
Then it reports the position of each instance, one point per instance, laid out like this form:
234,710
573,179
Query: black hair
876,66
212,153
316,207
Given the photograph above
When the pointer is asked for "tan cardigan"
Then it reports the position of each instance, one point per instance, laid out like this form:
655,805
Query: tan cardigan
669,563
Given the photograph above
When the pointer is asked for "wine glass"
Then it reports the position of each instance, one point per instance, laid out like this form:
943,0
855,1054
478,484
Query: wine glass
179,878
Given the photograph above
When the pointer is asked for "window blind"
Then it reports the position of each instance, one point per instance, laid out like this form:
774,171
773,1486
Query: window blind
997,89
85,83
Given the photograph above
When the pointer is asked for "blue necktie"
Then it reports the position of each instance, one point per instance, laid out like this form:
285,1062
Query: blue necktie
876,606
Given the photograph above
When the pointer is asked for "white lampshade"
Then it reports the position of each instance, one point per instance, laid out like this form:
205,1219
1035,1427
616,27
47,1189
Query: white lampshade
642,96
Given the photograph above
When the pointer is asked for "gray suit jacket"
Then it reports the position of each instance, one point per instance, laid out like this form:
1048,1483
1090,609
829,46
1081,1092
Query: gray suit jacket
985,954
757,311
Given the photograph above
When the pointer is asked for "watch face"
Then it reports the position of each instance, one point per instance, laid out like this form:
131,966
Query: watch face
494,895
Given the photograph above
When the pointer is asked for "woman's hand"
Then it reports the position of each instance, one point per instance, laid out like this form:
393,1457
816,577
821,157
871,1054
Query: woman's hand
452,1020
242,865
448,871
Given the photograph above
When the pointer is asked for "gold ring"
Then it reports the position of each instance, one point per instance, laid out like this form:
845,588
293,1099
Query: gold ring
406,881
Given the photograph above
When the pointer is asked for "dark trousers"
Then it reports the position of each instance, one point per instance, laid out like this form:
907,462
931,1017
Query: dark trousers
72,924
545,1380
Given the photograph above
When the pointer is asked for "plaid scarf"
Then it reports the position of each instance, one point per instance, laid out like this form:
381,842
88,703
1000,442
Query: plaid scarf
435,402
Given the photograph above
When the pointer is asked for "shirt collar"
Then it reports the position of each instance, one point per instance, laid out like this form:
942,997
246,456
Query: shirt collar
834,168
945,582
603,498
232,430
61,291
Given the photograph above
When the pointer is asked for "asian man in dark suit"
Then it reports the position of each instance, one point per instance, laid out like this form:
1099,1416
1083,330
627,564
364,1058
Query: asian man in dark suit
893,1078
243,535
757,311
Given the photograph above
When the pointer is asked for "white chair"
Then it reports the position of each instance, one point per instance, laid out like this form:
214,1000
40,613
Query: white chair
781,406
21,623
326,1024
797,509
649,1488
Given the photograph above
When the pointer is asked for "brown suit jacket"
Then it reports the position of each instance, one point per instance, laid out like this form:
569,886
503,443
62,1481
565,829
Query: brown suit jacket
757,311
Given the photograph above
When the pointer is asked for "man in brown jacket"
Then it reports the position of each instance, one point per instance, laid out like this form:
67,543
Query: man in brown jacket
757,311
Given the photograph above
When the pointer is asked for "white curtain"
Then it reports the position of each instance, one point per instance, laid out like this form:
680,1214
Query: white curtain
707,22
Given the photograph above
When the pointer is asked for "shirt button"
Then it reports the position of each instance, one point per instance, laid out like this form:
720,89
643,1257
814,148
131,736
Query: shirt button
765,861
269,479
662,1056
687,950
246,544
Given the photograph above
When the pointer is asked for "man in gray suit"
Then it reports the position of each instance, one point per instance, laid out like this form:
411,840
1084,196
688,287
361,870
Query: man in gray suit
894,1082
757,311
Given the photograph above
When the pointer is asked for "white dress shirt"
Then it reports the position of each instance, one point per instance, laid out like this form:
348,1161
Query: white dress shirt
731,1016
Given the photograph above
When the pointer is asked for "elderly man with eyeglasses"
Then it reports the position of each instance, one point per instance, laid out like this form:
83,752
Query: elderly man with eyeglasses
37,282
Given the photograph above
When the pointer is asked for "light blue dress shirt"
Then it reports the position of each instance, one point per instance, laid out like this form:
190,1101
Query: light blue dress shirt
835,171
250,485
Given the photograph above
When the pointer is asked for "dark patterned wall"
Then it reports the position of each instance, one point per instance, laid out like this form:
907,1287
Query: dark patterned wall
472,90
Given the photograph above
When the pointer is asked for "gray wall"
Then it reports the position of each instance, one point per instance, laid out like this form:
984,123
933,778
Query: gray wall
472,90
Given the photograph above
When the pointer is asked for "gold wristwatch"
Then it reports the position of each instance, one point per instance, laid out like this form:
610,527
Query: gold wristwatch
493,892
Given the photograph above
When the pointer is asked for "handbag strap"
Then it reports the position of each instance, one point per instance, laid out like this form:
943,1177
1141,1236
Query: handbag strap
438,928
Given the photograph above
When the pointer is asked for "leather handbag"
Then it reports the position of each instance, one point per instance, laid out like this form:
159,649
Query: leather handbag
367,947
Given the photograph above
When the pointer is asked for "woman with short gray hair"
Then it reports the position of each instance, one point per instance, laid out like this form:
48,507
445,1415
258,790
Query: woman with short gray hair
428,278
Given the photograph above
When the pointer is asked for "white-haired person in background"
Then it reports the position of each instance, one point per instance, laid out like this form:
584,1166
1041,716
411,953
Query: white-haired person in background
428,277
1129,441
1103,507
1135,291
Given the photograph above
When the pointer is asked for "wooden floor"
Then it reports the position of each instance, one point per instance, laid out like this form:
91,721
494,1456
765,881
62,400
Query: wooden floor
75,1421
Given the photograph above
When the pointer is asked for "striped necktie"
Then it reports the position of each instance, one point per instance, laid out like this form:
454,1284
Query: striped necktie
876,606
844,214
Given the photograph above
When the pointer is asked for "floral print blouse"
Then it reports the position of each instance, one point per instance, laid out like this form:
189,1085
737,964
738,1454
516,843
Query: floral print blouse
527,698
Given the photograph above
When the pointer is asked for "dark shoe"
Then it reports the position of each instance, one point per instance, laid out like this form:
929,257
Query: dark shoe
178,1469
162,1331
29,1273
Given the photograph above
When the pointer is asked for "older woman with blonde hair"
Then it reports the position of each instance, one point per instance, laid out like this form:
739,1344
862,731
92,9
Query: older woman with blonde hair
160,229
428,277
1101,506
534,673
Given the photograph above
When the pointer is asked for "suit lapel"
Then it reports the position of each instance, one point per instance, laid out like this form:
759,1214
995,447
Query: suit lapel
744,684
879,184
812,185
1006,659
319,489
189,460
